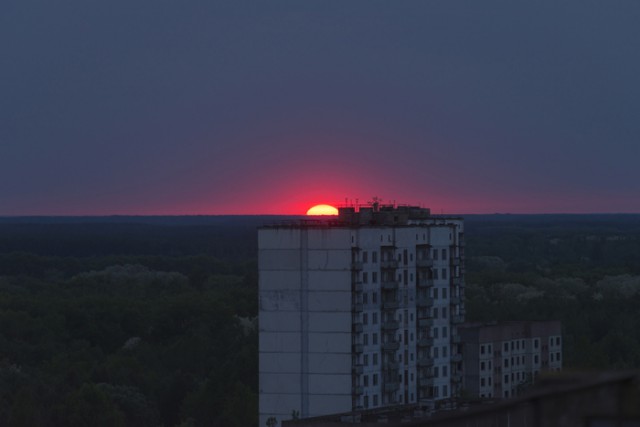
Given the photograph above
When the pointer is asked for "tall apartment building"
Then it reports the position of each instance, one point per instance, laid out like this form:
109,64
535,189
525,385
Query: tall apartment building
502,358
359,311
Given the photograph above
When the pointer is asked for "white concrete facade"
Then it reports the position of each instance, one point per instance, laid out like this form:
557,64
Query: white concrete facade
358,316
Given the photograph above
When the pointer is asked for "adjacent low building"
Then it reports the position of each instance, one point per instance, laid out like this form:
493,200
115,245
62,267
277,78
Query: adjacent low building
501,359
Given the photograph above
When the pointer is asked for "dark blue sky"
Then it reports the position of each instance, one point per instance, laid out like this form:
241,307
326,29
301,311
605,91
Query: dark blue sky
205,107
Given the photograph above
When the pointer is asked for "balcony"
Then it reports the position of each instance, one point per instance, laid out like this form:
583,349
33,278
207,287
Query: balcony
455,262
425,362
390,304
358,348
425,283
456,281
391,386
357,287
358,390
356,265
391,366
389,285
425,380
357,327
455,339
425,323
456,378
390,325
358,369
391,263
425,342
424,263
390,346
456,357
356,307
455,300
424,302
457,319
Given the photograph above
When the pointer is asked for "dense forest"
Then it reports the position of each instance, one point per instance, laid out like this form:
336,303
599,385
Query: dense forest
150,321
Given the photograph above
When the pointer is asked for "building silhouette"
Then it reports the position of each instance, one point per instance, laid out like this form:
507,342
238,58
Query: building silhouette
359,311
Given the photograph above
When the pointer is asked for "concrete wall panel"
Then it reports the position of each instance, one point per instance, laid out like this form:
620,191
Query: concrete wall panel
325,238
320,363
283,259
330,259
330,301
330,384
280,362
279,280
329,280
280,300
279,342
330,342
280,321
280,382
329,322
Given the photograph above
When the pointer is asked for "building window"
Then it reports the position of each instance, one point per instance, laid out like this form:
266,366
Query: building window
435,273
375,400
436,371
374,257
444,293
482,366
436,352
374,277
364,256
365,360
536,343
444,332
435,254
365,277
506,363
482,350
365,318
365,298
374,298
435,332
366,401
444,273
375,338
445,371
375,359
445,391
506,346
435,312
365,339
444,312
445,349
481,382
557,340
444,254
375,318
535,359
375,379
435,293
506,379
366,380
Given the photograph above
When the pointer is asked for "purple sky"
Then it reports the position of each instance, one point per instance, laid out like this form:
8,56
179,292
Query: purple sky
222,107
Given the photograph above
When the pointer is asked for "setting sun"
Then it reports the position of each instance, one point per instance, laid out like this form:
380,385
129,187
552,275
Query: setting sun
322,210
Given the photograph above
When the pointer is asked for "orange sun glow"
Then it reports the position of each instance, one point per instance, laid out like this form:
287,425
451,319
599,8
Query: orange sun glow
322,210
